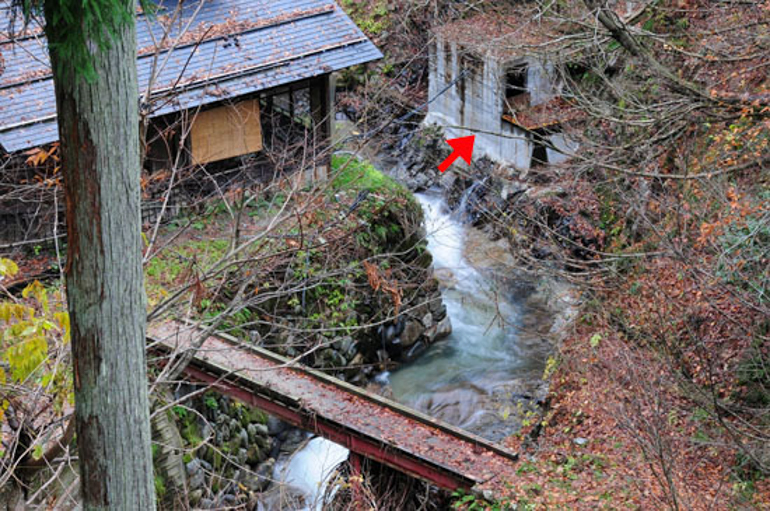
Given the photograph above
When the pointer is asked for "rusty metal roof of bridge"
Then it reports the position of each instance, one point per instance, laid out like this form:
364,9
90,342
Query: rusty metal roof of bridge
230,48
367,424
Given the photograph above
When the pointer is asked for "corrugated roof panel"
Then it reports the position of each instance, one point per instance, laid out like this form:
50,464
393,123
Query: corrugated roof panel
30,136
302,69
279,42
27,57
46,132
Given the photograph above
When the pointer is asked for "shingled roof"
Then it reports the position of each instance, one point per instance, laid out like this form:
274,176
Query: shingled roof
231,48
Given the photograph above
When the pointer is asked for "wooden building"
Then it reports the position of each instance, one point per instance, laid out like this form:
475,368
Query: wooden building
222,84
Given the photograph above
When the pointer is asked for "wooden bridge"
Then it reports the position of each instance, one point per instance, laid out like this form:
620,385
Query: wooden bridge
367,424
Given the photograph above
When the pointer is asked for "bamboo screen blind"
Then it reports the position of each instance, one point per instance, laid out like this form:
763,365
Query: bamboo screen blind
226,132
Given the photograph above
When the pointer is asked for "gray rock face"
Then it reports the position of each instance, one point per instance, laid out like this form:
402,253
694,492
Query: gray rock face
439,331
261,478
195,497
332,359
207,503
206,431
224,405
416,164
356,363
243,438
512,189
294,438
415,351
237,444
275,426
437,309
345,345
251,432
444,328
242,456
411,333
255,454
223,433
263,442
196,475
255,431
193,466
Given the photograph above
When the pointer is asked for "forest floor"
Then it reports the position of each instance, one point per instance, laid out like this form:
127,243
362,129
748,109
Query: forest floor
624,430
659,395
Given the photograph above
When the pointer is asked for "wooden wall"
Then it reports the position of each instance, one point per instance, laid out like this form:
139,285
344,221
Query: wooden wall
226,131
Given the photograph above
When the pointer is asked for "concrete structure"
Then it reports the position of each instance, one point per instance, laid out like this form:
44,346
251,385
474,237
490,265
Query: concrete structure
483,83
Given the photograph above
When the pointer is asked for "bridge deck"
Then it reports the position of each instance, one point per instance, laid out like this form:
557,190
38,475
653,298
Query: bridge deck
365,423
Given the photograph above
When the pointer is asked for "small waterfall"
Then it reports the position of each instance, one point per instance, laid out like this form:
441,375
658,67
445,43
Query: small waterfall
310,471
466,210
445,236
471,377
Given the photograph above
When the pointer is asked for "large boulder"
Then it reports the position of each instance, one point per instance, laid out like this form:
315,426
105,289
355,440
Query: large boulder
415,166
260,479
412,332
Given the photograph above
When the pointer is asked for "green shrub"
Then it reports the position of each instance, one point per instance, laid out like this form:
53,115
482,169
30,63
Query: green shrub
351,173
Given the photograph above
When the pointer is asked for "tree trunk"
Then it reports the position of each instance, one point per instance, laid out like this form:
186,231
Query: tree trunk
99,134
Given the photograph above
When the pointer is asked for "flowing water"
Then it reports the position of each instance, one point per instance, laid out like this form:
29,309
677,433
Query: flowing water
309,472
484,374
486,370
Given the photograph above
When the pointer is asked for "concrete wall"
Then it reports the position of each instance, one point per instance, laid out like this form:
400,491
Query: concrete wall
565,145
473,103
541,82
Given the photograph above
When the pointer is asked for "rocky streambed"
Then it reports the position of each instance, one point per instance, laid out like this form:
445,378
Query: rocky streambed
453,330
488,374
366,295
357,305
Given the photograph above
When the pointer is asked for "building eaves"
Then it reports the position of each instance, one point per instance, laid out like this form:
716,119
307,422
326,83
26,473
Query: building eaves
239,47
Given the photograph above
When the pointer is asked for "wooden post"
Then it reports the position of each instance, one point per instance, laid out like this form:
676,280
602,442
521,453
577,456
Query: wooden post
321,113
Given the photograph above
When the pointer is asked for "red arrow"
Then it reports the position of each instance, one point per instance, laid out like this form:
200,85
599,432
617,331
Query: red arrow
463,148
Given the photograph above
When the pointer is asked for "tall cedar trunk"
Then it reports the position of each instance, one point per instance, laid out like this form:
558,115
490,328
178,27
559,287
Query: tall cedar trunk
99,134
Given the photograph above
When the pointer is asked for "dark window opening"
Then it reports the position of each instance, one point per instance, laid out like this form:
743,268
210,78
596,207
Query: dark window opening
161,143
539,150
516,95
574,74
539,155
516,81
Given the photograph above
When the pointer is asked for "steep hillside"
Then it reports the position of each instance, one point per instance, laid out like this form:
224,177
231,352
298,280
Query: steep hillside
661,391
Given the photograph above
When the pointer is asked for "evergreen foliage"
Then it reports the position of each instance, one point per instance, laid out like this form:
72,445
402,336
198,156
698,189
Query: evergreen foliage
76,29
